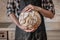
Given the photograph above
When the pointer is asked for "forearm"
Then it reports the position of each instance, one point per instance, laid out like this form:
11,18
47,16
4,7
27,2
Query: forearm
14,19
45,13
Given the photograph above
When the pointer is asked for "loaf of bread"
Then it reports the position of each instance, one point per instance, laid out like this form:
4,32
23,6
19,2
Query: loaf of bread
30,19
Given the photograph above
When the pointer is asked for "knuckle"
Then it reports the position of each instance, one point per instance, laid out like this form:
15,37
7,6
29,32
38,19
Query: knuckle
30,5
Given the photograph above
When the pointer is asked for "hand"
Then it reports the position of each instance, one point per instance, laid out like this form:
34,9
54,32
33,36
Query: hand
33,29
27,30
30,30
29,8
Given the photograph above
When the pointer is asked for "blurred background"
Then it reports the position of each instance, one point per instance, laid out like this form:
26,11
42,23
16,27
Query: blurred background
7,28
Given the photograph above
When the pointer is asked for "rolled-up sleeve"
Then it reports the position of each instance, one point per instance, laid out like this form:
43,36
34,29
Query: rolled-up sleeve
10,7
48,5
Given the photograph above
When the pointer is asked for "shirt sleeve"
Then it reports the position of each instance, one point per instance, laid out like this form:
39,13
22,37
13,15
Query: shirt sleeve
10,7
48,5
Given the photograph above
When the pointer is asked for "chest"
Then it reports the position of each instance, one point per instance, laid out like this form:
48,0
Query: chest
33,2
23,3
26,2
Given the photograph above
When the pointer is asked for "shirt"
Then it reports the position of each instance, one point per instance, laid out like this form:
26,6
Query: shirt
14,5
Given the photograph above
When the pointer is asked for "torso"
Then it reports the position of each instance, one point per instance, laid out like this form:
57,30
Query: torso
23,3
20,33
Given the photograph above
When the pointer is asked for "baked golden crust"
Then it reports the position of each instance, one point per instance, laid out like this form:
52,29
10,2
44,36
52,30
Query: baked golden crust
30,19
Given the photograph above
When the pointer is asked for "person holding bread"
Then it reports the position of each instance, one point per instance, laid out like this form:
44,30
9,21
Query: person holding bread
16,8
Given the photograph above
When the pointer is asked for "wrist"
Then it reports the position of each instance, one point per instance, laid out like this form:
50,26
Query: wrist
18,24
38,8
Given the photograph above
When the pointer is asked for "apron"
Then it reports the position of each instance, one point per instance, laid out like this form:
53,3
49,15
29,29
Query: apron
40,33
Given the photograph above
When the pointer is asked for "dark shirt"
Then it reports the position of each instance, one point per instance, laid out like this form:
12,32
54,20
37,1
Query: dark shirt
16,7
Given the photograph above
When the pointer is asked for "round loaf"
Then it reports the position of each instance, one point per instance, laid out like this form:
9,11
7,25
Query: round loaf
30,19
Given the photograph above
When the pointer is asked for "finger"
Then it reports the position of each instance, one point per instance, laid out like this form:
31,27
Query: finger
28,7
25,9
24,27
29,30
29,10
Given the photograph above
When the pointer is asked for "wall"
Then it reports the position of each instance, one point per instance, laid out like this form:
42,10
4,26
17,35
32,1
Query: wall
54,24
3,16
50,23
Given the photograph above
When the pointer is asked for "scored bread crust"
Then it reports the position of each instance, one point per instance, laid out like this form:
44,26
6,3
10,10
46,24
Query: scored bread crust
30,19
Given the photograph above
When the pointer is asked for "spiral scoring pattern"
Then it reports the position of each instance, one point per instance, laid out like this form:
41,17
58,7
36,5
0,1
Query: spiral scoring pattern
30,19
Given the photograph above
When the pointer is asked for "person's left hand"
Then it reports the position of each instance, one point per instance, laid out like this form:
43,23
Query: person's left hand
30,30
33,29
29,8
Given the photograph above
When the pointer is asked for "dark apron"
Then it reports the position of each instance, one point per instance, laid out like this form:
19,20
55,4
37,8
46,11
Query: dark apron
40,33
